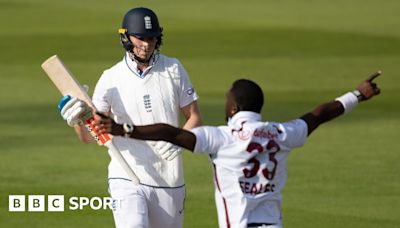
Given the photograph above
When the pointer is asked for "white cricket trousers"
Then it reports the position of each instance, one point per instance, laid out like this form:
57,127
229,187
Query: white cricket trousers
141,206
241,213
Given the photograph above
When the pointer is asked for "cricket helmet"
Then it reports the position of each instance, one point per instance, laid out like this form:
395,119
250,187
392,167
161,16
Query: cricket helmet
140,22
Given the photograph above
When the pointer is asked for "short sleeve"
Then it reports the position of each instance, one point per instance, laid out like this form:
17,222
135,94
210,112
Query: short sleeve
295,133
101,94
187,94
208,139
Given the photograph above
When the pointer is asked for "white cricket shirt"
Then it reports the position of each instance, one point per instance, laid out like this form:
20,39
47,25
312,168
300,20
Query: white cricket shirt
155,96
249,159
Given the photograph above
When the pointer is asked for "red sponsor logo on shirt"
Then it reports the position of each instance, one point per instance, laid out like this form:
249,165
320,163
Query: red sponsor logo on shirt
240,133
269,133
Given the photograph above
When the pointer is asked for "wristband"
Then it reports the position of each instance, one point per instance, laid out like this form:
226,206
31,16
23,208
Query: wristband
358,95
348,100
128,129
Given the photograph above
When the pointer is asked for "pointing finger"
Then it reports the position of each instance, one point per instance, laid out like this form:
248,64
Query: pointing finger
374,75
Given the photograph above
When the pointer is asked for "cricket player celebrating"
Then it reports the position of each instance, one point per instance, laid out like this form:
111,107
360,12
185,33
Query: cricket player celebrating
145,87
248,155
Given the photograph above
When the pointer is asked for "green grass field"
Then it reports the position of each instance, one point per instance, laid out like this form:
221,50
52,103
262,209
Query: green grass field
302,52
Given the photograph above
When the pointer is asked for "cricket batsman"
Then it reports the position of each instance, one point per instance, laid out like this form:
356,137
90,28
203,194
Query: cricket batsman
145,87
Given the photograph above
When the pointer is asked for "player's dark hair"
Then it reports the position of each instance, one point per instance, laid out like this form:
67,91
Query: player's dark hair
248,95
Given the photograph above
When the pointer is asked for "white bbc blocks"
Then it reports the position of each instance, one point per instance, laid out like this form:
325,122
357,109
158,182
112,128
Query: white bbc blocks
16,203
55,203
36,203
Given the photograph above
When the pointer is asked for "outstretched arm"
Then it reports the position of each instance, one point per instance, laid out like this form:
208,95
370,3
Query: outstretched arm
328,111
165,132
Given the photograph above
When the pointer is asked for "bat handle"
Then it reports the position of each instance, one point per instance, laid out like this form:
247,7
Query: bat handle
106,140
121,160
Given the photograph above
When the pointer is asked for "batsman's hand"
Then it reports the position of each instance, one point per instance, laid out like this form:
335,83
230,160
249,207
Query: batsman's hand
72,109
369,89
167,151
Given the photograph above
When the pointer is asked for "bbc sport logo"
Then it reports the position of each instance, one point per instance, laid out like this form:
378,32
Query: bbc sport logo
56,203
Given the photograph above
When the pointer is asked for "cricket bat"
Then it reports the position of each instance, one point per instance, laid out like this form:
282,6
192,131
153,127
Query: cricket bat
67,84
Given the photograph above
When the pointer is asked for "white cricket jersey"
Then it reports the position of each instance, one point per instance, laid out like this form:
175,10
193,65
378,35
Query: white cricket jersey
249,159
155,96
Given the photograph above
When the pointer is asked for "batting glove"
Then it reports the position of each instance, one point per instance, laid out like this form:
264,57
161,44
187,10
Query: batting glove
167,151
72,110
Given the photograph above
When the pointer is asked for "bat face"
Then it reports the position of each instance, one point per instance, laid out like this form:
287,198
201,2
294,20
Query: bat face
67,84
64,80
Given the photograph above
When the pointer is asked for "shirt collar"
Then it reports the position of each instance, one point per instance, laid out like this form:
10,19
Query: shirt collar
241,116
132,65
